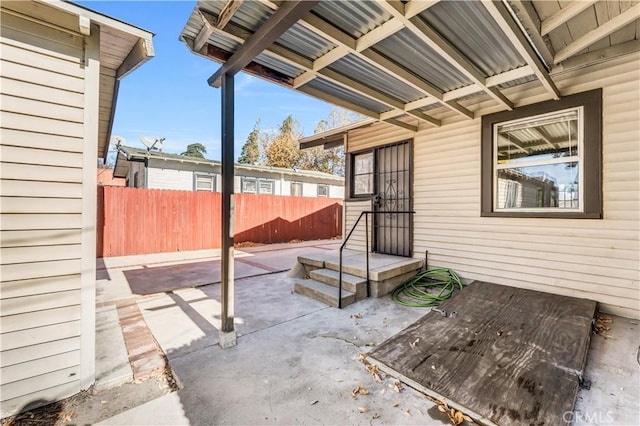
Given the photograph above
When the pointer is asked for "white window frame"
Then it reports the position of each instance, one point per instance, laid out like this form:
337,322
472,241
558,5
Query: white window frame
257,182
243,183
579,158
324,186
370,174
270,182
204,175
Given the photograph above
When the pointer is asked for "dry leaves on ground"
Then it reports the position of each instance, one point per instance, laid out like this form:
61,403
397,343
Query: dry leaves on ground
601,326
359,391
397,386
356,316
371,369
245,244
455,417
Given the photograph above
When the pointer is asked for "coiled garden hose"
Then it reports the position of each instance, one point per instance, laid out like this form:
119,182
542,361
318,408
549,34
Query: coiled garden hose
414,291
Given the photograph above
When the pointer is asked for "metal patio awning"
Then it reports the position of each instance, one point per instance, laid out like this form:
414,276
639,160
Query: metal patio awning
417,63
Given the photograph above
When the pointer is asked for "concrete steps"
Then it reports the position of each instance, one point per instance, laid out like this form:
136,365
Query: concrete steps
318,275
324,293
350,282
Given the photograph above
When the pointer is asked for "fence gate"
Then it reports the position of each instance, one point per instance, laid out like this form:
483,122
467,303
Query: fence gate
393,231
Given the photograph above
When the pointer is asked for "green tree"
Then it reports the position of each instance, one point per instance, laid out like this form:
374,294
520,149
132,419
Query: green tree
196,150
282,150
329,160
251,149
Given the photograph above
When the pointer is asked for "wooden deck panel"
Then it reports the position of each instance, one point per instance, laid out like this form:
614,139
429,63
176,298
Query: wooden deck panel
510,356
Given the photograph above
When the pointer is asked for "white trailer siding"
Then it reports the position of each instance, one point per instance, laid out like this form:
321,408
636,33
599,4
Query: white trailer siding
169,179
595,259
309,189
45,216
336,191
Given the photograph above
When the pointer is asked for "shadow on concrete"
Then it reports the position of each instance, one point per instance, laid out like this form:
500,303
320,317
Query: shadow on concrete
163,279
102,273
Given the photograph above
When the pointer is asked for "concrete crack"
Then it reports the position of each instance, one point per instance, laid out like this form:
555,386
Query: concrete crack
343,339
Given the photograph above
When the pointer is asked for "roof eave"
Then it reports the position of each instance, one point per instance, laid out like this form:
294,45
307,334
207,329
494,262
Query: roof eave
333,137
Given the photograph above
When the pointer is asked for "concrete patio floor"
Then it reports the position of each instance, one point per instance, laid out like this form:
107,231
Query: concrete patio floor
297,360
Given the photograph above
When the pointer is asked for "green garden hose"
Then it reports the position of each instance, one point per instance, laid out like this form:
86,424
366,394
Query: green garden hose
414,291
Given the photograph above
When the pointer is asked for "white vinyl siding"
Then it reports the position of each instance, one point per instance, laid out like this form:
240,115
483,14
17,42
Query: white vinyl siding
310,189
594,259
352,210
376,135
41,149
336,191
169,179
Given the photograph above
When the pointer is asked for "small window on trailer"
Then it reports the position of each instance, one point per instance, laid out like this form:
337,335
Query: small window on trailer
323,190
204,182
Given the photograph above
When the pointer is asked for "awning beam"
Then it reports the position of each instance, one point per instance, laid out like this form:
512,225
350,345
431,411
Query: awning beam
287,15
349,45
599,33
509,27
431,38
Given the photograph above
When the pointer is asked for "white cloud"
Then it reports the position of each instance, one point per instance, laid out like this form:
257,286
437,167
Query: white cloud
242,82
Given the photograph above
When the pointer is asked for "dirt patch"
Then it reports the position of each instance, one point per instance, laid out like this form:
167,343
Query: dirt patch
89,407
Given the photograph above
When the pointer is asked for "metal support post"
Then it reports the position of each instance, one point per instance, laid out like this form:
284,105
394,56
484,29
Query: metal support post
227,331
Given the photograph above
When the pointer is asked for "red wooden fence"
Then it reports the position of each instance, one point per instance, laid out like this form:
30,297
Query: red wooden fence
141,221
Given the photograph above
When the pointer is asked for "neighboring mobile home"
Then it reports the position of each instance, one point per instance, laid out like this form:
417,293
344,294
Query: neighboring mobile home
158,170
510,129
61,65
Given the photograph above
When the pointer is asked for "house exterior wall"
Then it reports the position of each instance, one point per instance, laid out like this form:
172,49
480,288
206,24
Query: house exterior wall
180,176
336,191
47,227
169,179
309,189
595,259
352,210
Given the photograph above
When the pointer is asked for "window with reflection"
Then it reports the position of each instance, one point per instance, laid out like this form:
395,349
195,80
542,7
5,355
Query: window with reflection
544,159
539,162
362,174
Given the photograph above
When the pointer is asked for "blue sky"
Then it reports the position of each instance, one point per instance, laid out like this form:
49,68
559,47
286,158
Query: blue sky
168,96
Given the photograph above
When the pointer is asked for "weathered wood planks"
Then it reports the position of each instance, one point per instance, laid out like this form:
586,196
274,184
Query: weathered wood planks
510,356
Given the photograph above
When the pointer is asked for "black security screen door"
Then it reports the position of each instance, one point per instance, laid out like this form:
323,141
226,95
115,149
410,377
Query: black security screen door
393,231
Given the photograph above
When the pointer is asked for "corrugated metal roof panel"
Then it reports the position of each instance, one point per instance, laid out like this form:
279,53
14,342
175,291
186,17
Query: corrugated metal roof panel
431,107
305,42
212,6
281,67
193,25
517,82
469,26
355,18
223,42
471,96
369,75
345,94
251,15
408,51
